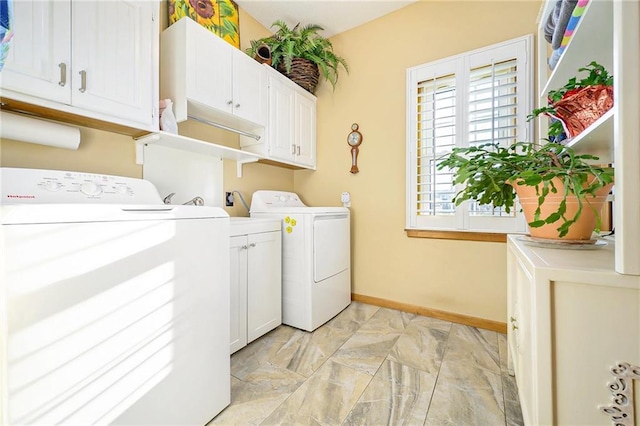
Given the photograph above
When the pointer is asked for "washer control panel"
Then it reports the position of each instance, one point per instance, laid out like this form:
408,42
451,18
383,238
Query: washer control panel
266,199
36,186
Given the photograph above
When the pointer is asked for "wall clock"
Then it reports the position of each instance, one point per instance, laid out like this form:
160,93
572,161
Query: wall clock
354,139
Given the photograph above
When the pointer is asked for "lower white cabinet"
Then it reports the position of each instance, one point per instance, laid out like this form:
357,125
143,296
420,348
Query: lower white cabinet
256,279
571,318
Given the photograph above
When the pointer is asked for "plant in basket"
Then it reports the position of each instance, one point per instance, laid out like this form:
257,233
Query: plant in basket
298,52
579,103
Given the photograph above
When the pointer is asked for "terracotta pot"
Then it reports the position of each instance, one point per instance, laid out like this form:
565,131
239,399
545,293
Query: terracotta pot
581,230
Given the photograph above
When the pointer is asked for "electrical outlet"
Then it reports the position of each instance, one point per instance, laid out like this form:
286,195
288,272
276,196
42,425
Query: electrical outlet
228,199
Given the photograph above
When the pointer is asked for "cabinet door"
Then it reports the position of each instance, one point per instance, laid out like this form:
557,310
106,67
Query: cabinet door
520,334
249,88
305,130
238,281
113,58
281,120
209,68
39,59
264,293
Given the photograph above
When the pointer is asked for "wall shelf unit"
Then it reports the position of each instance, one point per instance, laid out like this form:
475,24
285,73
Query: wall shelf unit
171,140
574,314
607,33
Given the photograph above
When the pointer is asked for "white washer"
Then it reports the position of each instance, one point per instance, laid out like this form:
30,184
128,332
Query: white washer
316,257
114,308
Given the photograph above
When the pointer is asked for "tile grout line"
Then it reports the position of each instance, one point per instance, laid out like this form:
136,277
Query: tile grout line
315,372
435,383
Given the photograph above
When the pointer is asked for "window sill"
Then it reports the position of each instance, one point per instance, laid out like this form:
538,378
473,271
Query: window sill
493,237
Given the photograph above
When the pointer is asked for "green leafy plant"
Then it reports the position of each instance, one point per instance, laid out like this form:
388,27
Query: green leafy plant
490,172
598,75
302,42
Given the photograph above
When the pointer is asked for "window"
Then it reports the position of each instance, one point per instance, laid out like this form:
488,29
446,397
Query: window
474,98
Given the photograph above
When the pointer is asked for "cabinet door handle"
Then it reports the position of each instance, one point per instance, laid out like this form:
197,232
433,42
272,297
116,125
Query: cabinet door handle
514,327
252,245
293,150
229,102
298,149
237,105
244,247
83,81
512,319
63,74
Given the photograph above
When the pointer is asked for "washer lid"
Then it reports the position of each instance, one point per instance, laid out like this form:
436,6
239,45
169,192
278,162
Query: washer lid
280,202
20,214
302,210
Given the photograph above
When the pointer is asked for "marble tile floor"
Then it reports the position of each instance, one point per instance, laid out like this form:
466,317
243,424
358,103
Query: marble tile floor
373,366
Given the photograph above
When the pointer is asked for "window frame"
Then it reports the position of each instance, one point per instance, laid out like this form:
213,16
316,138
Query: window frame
461,65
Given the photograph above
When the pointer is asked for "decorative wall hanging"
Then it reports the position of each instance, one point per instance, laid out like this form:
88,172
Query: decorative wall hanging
354,139
218,16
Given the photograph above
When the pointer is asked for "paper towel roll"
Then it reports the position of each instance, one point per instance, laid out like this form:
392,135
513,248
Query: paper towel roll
26,129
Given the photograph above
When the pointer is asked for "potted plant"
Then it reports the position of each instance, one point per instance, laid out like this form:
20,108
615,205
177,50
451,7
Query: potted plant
298,52
561,193
579,103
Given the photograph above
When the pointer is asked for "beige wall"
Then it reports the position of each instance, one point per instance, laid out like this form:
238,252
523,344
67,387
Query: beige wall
461,277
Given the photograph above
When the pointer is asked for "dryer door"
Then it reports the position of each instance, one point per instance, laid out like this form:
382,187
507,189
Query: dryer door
331,247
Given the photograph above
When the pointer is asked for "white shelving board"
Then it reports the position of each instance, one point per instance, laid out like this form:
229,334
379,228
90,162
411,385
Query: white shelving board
171,140
607,33
591,41
597,139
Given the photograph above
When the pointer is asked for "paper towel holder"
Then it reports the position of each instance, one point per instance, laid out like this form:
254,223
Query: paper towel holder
25,127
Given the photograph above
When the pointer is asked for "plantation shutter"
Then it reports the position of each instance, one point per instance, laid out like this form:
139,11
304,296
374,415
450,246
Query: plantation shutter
493,114
436,137
470,99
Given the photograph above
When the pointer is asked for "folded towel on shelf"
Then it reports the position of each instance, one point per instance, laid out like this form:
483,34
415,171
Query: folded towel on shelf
555,56
566,9
550,24
577,13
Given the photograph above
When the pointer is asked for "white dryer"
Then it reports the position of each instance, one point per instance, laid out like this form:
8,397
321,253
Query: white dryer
316,257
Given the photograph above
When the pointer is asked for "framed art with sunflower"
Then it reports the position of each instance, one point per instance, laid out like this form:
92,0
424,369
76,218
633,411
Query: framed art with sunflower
218,16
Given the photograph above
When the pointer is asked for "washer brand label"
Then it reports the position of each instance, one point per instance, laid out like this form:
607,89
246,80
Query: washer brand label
18,196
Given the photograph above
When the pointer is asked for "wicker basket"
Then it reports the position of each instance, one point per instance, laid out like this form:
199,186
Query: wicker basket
304,73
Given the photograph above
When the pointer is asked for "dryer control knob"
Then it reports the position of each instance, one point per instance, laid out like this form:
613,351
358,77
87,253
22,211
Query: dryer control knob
52,185
90,188
282,198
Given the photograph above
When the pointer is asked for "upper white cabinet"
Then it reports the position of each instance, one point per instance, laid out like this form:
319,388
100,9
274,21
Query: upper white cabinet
209,79
87,58
291,131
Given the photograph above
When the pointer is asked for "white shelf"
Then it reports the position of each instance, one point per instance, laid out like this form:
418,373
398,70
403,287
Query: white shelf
591,41
597,139
171,140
